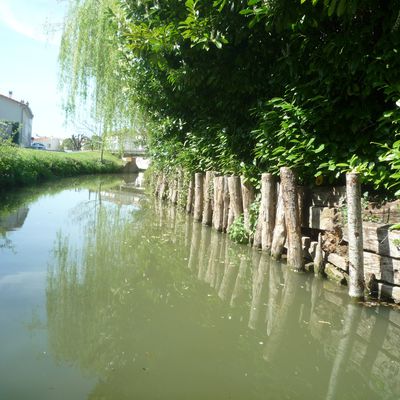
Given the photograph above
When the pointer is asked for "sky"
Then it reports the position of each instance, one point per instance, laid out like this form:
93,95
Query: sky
29,60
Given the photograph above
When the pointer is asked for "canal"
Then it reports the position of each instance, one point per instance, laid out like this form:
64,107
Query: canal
106,294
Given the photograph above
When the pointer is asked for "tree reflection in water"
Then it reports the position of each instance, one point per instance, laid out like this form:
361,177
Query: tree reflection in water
151,296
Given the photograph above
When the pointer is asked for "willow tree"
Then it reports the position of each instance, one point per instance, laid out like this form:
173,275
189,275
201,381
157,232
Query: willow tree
90,68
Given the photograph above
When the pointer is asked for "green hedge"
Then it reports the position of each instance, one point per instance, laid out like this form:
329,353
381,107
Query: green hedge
25,166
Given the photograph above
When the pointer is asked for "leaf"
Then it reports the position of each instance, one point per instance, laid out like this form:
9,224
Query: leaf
319,148
332,7
341,8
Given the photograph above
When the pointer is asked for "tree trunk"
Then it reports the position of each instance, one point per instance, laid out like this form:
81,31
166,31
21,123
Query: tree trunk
198,196
235,195
225,218
268,201
355,236
248,197
218,215
279,236
190,195
291,205
208,198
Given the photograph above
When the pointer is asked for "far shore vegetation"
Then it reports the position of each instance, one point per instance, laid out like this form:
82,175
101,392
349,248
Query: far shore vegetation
27,166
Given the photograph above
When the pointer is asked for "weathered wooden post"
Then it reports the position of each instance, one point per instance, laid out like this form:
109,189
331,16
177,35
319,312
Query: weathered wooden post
208,198
291,205
248,198
190,195
158,185
319,257
218,214
180,195
235,195
268,201
198,195
266,216
355,235
279,236
225,218
163,187
174,190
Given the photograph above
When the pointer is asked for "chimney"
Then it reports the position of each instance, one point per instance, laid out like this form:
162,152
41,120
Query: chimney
10,93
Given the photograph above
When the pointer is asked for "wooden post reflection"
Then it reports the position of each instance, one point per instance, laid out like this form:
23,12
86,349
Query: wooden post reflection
213,260
204,252
230,272
288,306
240,280
258,294
194,246
351,318
275,289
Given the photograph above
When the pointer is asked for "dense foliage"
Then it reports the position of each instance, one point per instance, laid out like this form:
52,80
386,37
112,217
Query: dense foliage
248,86
26,166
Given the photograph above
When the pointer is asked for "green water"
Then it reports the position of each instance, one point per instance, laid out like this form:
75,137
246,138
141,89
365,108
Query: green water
105,294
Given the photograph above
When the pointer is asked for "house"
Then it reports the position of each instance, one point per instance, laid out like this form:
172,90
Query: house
16,118
51,143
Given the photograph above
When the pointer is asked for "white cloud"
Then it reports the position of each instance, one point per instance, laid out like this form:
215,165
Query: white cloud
8,18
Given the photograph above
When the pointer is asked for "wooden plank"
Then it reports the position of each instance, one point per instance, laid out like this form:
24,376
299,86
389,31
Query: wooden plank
328,197
379,239
339,261
390,291
323,218
336,275
385,268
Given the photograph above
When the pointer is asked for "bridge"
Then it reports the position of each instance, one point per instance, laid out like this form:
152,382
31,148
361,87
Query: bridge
135,153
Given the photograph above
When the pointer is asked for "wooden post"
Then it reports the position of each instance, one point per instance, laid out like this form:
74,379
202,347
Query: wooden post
158,185
225,218
163,187
208,197
291,205
190,195
235,194
180,195
319,257
268,201
355,236
198,195
174,191
248,197
279,236
218,215
171,184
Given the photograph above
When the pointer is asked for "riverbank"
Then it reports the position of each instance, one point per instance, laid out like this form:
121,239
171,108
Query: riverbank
26,166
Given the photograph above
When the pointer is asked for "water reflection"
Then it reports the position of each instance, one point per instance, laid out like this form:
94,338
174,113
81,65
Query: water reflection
11,221
159,306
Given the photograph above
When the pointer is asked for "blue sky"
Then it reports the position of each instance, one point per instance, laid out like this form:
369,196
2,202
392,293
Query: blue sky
28,54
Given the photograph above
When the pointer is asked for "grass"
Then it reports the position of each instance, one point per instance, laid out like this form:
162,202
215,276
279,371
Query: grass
27,166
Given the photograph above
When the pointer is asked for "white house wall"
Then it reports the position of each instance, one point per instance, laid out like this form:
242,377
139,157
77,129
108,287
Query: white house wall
10,110
13,111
